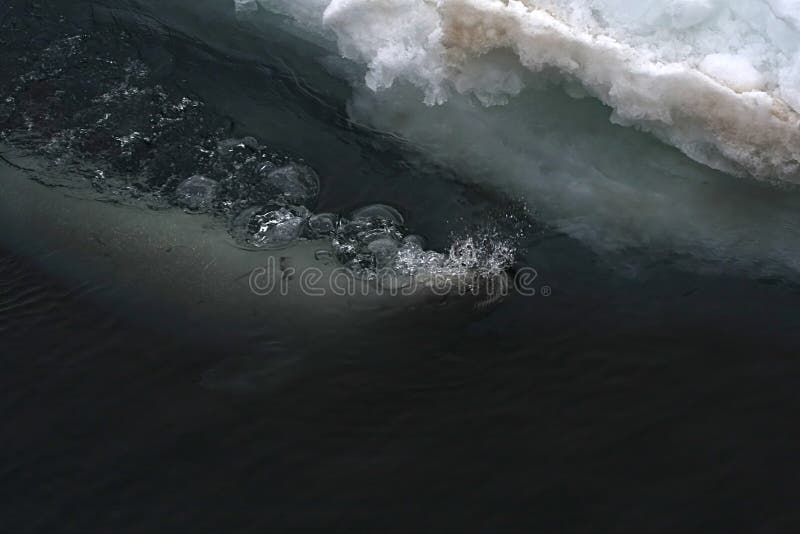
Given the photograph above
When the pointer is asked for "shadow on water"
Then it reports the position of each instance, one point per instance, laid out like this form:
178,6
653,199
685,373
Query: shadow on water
109,426
656,399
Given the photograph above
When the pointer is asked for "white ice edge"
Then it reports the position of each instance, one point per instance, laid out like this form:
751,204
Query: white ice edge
719,80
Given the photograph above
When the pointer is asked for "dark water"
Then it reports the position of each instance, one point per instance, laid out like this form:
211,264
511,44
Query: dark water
660,401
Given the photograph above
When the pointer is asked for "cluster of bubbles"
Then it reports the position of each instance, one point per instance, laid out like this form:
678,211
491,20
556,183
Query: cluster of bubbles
90,106
371,239
99,114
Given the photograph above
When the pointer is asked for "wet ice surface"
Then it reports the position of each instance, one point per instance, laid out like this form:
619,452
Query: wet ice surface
99,103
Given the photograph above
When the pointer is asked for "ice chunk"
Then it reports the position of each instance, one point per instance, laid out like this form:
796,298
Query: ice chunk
352,240
270,227
322,225
379,211
733,71
293,183
384,250
196,193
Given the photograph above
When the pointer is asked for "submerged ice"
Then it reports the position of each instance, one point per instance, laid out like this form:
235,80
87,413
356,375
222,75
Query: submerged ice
508,93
